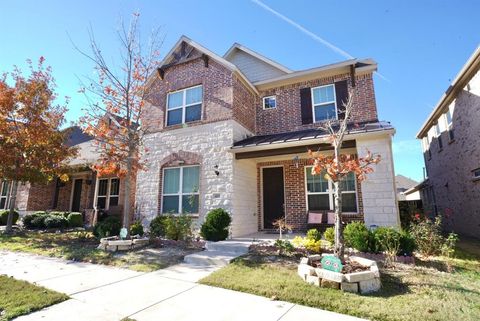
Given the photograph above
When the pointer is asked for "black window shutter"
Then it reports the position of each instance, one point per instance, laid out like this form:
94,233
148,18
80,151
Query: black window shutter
341,93
306,105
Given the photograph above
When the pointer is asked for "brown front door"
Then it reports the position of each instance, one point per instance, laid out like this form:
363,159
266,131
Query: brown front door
77,194
273,195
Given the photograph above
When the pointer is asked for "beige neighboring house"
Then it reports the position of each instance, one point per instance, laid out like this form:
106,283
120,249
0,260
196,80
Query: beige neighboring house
451,147
406,189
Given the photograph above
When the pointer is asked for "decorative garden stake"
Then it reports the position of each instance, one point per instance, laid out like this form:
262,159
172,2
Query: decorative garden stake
332,263
335,168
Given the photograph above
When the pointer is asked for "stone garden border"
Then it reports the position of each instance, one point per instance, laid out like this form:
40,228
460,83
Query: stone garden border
357,282
114,244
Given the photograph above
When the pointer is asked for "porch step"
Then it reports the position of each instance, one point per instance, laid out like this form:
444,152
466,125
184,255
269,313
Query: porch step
208,258
229,246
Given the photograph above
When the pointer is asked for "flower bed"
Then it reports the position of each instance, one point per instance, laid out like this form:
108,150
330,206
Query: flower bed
358,274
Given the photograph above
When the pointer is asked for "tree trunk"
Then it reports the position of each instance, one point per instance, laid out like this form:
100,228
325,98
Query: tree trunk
126,201
13,199
339,246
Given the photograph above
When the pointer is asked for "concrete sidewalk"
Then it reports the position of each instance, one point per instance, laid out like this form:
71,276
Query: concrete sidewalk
105,293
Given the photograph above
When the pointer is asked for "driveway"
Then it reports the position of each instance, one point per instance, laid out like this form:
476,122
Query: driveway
105,293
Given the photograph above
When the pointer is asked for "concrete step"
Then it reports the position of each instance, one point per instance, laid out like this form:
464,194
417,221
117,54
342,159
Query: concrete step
230,246
216,258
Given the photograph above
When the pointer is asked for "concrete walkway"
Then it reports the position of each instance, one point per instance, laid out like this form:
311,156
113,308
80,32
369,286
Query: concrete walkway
105,293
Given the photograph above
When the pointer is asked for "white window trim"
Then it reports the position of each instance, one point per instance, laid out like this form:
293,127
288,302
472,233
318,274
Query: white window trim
322,104
184,105
267,97
107,197
330,192
9,194
180,193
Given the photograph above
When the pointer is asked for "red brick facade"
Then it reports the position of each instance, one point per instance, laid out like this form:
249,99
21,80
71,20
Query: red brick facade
295,194
286,116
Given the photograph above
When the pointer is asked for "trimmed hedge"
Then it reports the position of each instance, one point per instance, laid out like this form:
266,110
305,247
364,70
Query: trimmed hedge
75,219
110,226
55,221
4,217
43,219
215,227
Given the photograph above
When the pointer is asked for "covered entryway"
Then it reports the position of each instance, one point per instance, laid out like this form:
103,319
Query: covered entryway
273,195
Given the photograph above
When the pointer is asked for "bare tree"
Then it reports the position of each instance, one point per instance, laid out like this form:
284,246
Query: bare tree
117,98
338,166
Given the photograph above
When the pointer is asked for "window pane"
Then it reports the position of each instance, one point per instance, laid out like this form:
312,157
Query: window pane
316,183
3,202
449,117
194,95
349,202
269,102
323,95
102,187
174,117
113,200
190,179
171,181
348,182
115,186
190,204
101,202
5,188
170,204
324,112
175,99
193,113
318,202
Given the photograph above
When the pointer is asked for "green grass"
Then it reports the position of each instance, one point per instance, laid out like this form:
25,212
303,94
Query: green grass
20,297
425,292
74,246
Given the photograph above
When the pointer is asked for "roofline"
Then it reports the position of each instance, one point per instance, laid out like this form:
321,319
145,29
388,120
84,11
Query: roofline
313,73
256,55
216,57
307,141
466,74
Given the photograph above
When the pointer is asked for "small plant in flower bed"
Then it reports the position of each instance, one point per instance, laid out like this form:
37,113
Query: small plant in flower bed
136,228
172,227
329,235
284,247
312,243
4,217
110,226
429,238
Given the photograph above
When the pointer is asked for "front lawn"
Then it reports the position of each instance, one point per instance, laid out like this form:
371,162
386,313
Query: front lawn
423,292
82,246
20,297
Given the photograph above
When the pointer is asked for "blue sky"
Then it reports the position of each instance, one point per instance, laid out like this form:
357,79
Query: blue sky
419,45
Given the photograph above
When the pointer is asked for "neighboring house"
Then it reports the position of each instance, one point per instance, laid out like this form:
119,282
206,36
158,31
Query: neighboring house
451,147
83,192
404,189
233,132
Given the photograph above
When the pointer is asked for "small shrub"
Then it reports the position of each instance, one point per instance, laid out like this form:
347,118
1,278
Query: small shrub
136,228
314,234
357,235
59,213
448,249
178,227
428,236
4,217
388,240
75,219
407,243
284,247
35,220
55,221
313,246
110,226
299,241
329,235
215,227
158,226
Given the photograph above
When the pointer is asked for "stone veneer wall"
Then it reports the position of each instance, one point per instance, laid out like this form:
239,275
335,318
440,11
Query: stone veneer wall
378,190
209,145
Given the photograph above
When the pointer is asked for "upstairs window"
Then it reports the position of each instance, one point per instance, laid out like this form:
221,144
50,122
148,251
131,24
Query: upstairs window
184,105
476,173
438,135
324,103
269,102
321,192
180,189
448,121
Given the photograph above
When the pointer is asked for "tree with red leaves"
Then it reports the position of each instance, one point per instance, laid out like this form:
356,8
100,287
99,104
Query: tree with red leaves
117,99
31,143
337,166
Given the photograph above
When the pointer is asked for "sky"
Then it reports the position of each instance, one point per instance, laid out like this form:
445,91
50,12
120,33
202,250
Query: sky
420,46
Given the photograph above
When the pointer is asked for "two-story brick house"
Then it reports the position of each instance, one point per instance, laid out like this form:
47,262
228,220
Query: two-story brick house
451,147
234,131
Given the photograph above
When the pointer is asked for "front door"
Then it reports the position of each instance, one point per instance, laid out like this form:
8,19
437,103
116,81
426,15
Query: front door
76,196
273,195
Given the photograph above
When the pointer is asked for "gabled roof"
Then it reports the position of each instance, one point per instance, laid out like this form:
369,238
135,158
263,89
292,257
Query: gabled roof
403,182
76,136
211,54
461,80
237,46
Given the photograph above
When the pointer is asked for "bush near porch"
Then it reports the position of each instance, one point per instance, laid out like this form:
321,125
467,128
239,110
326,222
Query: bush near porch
4,217
45,219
